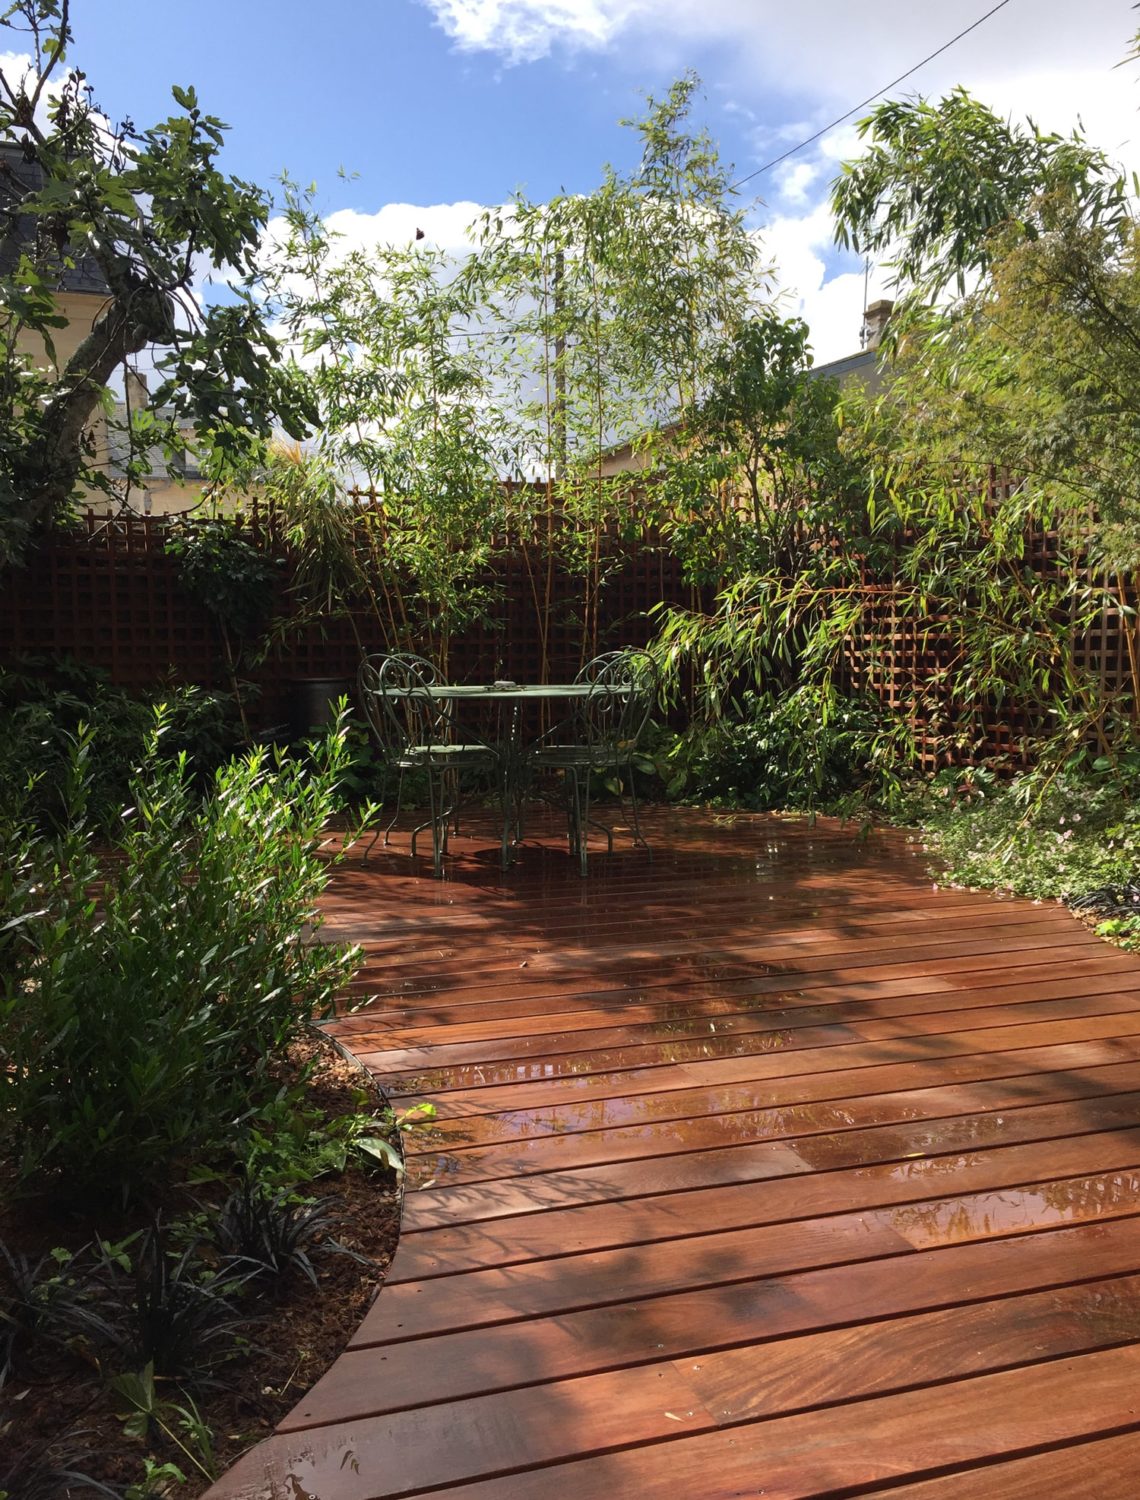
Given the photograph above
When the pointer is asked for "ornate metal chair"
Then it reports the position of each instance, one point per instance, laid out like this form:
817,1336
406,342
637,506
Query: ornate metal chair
601,736
415,731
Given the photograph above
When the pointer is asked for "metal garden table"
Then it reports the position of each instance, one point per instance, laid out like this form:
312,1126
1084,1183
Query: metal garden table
510,699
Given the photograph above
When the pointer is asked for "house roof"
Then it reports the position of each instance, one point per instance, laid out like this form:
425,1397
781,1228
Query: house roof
863,363
19,178
180,466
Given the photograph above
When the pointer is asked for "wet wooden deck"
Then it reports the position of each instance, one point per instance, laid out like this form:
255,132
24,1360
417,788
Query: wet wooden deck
765,1168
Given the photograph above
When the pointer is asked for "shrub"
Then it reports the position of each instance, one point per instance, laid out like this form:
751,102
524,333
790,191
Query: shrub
802,749
231,577
43,704
146,991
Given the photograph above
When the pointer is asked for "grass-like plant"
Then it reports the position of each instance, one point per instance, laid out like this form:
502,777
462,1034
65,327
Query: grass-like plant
28,1471
273,1232
46,1300
147,990
169,1311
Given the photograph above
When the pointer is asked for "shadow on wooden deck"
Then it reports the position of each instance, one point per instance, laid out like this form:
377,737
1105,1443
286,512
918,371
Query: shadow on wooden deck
760,1167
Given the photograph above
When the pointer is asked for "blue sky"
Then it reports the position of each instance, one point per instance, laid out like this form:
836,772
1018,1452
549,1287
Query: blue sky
438,105
377,90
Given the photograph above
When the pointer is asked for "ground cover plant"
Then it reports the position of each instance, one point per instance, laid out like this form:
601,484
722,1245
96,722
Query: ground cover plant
138,1360
1074,837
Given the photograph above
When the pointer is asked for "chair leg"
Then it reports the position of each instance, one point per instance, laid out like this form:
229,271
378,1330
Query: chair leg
372,845
506,858
607,833
588,822
510,798
573,811
452,797
584,824
396,814
385,830
439,819
437,822
638,839
521,791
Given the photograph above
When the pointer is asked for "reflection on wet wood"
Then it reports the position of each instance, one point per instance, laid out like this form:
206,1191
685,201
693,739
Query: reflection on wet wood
763,1167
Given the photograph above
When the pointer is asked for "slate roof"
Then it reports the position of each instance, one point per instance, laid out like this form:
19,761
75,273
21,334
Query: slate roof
18,178
181,466
863,364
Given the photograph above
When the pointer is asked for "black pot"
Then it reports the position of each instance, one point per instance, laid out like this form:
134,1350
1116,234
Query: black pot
312,703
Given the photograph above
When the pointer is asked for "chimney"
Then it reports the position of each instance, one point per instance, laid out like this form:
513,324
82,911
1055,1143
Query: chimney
134,386
875,321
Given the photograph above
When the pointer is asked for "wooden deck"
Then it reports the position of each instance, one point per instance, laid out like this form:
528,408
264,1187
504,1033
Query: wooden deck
765,1168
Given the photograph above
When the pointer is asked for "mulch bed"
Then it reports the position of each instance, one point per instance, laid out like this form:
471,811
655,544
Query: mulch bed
61,1403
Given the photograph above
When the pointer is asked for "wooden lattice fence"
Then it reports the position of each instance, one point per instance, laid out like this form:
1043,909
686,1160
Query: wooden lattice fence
108,594
903,659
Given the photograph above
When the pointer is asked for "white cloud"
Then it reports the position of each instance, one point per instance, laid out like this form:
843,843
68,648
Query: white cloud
443,226
18,69
795,178
799,244
808,62
15,66
525,30
833,311
832,308
1103,101
830,48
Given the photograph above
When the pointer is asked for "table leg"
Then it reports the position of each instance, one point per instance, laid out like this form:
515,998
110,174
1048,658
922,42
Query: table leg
513,774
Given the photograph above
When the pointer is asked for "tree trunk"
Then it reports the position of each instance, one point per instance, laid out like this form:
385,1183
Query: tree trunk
134,319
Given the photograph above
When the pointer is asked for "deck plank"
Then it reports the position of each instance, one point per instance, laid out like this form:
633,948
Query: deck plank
616,1332
453,1442
766,1167
865,1442
1082,1471
564,1283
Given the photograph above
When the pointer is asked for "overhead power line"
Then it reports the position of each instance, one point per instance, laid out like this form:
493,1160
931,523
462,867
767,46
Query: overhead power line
870,99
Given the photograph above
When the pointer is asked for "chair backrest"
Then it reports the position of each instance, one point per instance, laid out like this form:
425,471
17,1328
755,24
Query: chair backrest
623,689
395,694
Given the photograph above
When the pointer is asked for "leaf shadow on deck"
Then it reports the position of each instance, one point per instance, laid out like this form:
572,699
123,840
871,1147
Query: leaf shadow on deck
754,1144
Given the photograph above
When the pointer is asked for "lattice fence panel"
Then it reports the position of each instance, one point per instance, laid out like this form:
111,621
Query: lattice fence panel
108,594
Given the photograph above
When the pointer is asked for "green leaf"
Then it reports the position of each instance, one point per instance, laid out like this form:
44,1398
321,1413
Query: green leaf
381,1150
